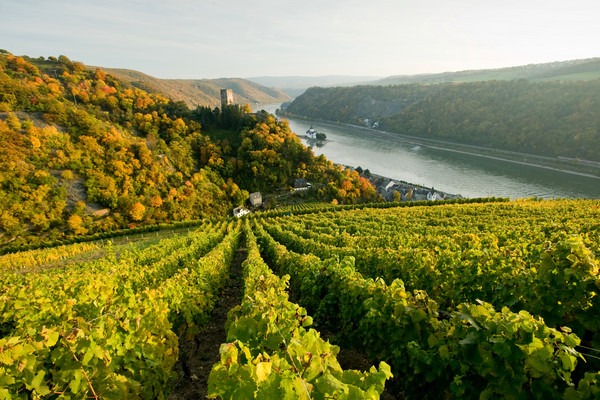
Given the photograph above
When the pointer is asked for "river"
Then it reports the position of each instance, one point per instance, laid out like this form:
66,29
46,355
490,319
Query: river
445,170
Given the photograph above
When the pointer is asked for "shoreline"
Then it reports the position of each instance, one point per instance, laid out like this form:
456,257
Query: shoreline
543,162
419,192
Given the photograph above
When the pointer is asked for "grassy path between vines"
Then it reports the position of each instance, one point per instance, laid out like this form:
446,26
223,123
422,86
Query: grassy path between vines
196,357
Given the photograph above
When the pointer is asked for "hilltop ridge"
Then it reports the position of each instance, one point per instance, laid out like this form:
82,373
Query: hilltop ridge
193,92
204,92
296,85
569,70
578,69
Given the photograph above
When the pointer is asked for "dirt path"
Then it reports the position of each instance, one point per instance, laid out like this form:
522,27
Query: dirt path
196,357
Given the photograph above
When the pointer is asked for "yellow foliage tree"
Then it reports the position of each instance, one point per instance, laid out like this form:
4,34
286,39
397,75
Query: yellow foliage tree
137,211
156,201
75,223
13,121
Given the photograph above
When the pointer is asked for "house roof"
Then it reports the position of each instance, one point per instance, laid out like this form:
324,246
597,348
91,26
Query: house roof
300,182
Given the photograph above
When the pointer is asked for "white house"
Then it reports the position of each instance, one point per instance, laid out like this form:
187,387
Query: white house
240,212
434,196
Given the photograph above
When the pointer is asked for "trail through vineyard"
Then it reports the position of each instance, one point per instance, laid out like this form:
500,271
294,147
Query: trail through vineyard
197,356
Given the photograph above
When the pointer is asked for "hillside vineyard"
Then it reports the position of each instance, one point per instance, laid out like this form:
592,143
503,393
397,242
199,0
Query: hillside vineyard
472,300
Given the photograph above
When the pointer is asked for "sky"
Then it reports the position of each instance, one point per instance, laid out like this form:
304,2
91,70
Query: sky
198,39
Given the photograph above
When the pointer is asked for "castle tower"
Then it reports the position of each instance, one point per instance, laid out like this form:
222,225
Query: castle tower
226,97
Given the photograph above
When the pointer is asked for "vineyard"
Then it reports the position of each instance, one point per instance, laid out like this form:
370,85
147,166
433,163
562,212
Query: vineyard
448,301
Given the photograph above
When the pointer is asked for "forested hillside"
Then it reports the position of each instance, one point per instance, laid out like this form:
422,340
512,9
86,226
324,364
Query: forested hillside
83,152
544,118
354,104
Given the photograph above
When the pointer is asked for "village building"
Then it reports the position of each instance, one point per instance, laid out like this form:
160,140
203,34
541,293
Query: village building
301,185
387,184
394,191
240,212
434,196
256,199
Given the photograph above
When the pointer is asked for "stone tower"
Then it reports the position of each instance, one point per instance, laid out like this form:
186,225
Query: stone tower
226,97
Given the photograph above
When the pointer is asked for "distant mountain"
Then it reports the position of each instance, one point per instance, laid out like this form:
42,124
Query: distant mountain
204,92
296,85
572,70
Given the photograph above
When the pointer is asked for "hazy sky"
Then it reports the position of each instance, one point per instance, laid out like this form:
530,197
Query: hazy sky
234,38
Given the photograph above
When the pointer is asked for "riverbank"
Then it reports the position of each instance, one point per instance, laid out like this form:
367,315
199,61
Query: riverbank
398,190
588,169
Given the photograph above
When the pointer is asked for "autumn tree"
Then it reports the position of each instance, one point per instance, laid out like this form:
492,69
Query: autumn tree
137,211
75,223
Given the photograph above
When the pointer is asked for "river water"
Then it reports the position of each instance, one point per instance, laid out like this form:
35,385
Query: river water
444,170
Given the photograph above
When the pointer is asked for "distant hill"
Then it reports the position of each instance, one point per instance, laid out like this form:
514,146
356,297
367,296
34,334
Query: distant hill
549,118
572,70
194,92
547,109
204,92
296,85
